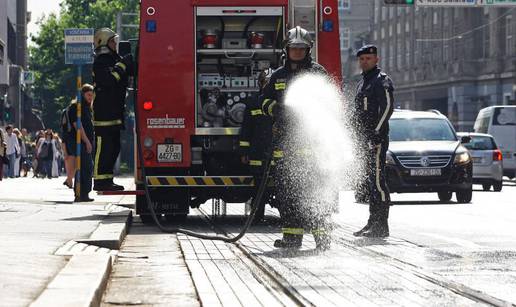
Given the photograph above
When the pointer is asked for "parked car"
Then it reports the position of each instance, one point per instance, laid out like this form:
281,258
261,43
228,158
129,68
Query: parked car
500,122
426,155
487,160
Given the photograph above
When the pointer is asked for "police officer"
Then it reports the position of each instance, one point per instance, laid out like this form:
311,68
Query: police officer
373,108
292,165
256,138
110,74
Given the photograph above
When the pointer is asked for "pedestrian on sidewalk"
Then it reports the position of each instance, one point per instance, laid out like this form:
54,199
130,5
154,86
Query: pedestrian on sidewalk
69,145
57,164
87,138
3,156
19,159
26,151
37,165
13,150
46,153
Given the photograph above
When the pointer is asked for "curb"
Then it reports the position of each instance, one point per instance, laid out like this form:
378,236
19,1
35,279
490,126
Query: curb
84,278
111,231
80,283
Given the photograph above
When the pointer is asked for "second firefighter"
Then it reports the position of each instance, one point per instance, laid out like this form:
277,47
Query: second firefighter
110,74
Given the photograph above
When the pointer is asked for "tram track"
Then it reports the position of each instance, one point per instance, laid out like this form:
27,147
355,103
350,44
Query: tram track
458,288
270,278
278,282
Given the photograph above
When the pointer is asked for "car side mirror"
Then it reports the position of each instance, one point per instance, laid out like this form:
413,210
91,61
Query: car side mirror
124,48
465,139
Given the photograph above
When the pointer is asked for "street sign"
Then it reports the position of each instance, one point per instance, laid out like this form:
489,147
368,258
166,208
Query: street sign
28,77
466,3
496,2
79,46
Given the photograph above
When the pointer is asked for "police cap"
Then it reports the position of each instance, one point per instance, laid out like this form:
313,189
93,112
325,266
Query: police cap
367,49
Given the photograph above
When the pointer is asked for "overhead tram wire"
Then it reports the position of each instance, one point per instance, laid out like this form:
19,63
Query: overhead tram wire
460,36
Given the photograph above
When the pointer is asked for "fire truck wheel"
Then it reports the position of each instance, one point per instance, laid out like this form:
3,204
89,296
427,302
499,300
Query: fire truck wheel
175,218
147,219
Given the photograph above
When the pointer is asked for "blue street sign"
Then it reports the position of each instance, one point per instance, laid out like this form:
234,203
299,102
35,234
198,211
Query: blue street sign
79,46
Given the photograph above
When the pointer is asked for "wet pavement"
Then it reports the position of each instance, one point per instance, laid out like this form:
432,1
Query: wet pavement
438,255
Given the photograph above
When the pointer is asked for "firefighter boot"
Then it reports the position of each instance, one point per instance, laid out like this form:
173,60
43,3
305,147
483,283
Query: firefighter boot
116,187
322,239
380,226
289,241
107,185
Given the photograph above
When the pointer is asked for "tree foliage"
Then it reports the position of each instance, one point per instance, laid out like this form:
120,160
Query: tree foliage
55,82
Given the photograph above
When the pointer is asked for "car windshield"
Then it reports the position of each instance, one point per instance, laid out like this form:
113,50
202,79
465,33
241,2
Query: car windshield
420,129
481,143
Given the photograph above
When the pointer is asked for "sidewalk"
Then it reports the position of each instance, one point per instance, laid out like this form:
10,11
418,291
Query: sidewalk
38,218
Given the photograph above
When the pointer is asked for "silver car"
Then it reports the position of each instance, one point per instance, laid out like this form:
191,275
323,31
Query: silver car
487,160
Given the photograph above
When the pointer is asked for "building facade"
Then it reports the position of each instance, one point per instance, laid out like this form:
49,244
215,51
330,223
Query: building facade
355,30
13,59
455,60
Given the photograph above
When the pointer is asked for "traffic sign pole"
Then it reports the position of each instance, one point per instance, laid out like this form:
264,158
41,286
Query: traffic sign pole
78,51
78,134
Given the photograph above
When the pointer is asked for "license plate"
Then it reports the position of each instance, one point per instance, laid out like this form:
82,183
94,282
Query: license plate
170,153
425,172
477,160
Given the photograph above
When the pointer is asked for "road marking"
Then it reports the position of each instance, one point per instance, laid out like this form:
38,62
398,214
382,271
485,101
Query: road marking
457,241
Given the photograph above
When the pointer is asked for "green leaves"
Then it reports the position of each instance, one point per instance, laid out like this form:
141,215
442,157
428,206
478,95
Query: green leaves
54,81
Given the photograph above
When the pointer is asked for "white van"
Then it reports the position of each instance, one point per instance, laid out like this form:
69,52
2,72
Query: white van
500,122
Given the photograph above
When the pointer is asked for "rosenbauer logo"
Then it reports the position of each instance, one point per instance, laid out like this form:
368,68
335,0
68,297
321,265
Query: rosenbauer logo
169,123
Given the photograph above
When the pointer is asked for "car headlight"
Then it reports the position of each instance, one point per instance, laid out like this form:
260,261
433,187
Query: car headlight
389,159
462,157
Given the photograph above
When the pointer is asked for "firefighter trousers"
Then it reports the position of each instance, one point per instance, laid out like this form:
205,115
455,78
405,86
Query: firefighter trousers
300,208
107,149
379,199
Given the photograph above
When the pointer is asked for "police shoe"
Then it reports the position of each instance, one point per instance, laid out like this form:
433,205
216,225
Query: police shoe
378,229
363,230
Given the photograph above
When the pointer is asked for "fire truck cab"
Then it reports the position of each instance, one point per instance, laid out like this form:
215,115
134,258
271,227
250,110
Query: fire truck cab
199,62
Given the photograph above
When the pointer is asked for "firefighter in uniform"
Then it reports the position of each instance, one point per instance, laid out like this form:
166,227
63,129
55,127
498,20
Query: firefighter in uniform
256,137
293,171
110,74
373,108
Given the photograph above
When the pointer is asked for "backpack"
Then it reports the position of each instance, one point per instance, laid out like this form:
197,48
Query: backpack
66,125
43,153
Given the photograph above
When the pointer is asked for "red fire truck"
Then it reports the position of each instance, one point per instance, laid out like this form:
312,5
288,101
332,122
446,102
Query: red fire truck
199,62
